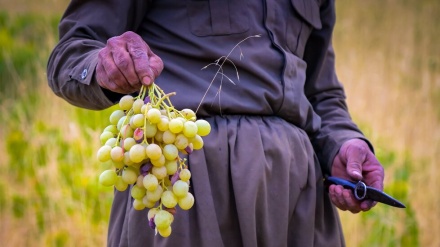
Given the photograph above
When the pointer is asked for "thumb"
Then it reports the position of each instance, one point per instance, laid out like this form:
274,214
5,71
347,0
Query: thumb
355,156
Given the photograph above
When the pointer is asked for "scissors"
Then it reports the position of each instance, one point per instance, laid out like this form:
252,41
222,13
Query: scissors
363,192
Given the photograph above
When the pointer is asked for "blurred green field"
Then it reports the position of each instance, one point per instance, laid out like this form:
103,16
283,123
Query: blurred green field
388,58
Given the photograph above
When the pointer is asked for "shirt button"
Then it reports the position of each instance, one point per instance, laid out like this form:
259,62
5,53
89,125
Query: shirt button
84,74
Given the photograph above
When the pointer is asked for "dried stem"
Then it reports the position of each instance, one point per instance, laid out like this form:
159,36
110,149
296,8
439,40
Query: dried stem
220,62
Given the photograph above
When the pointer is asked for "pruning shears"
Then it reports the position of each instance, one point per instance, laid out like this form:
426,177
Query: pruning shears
363,192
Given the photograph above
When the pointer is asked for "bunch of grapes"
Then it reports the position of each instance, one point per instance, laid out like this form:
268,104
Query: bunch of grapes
145,142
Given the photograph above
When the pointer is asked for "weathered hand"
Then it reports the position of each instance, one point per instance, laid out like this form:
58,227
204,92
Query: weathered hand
126,63
355,162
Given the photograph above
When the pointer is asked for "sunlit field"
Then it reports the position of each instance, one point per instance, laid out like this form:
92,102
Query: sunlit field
387,56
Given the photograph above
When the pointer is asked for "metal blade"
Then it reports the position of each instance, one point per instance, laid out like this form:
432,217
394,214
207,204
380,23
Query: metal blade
379,196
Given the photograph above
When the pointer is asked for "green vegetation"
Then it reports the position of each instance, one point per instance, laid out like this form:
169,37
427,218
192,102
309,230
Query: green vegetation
387,58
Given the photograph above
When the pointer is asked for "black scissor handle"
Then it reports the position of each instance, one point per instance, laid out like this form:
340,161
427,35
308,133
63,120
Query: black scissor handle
359,189
360,186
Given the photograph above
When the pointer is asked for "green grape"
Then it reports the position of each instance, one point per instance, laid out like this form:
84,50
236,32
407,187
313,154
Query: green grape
180,188
185,174
154,151
118,165
126,102
108,178
172,115
162,125
150,130
115,116
159,136
138,204
126,131
153,115
122,121
171,166
140,181
181,141
159,162
150,182
197,142
186,202
188,114
104,153
137,153
168,199
152,212
129,175
137,106
165,232
175,126
127,159
128,143
168,137
189,129
138,192
144,108
137,121
163,219
183,120
170,152
112,128
111,142
105,136
120,185
148,203
159,171
203,127
155,195
117,154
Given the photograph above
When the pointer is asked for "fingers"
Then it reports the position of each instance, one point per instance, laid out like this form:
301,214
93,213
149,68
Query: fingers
355,161
344,200
373,172
125,63
146,64
110,76
355,152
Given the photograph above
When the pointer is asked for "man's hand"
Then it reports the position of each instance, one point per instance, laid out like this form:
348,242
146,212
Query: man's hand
355,162
126,63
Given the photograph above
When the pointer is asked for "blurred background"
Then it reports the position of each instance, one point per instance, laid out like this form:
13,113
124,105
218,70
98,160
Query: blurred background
388,57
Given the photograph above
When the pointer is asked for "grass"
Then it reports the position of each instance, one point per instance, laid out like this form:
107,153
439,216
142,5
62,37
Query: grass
387,58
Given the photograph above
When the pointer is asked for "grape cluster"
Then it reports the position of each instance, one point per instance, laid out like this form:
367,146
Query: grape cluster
145,142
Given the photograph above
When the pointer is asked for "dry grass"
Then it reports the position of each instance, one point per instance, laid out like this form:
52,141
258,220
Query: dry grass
32,6
388,58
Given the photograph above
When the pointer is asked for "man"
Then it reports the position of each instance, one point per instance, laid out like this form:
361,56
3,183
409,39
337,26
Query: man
275,131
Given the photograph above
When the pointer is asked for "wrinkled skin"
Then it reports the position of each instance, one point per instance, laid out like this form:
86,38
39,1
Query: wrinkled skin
355,161
126,63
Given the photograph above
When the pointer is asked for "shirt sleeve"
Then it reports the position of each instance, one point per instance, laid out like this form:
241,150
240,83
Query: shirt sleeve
326,93
83,30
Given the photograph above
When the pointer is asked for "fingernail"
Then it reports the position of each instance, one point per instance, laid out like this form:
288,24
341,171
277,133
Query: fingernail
356,174
146,80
